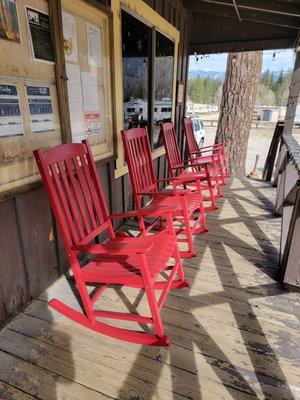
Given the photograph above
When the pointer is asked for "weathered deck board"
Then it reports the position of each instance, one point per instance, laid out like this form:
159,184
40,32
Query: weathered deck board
235,331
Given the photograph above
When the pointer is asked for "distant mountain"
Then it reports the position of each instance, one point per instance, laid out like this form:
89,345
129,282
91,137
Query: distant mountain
221,75
207,74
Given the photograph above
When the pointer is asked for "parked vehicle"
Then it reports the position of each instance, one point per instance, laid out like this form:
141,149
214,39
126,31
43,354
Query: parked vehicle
199,130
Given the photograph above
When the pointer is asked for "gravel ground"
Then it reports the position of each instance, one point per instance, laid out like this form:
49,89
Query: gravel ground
259,143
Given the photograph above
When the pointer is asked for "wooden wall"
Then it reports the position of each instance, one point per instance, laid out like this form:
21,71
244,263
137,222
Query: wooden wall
30,261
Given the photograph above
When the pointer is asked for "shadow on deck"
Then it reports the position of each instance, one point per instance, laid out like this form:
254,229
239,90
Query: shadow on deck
235,331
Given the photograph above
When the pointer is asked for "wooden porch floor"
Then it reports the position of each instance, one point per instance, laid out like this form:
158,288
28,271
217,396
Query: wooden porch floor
235,331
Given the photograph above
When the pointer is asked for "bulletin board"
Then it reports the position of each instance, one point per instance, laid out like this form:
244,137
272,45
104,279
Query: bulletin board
29,117
88,70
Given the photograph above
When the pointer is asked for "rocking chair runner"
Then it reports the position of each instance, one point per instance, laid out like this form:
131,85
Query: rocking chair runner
144,183
74,191
217,151
203,169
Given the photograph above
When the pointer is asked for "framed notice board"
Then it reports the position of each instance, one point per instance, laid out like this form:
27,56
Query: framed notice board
29,115
88,71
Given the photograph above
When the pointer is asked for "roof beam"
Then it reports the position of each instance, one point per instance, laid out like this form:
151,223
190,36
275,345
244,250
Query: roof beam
237,11
228,10
225,47
267,6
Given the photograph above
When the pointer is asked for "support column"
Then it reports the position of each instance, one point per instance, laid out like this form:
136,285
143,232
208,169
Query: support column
293,99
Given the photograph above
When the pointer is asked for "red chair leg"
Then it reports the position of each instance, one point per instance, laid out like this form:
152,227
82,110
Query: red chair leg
216,179
211,192
188,232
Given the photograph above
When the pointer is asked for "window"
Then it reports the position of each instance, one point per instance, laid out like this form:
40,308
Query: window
196,125
148,63
163,82
135,54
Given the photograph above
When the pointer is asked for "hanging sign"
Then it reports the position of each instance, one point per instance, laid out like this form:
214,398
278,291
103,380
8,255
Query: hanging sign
9,22
40,35
40,109
11,123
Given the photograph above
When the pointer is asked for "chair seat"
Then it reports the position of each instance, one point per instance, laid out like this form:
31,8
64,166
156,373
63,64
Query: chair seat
124,269
192,200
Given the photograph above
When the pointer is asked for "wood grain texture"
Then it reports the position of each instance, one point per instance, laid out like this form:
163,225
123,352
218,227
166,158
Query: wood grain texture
13,283
35,224
235,331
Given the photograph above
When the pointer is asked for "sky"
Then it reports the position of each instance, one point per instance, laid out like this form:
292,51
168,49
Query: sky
284,59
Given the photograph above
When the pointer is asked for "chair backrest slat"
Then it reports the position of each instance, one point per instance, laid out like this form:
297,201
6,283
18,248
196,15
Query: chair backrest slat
77,189
69,194
192,145
139,160
171,146
74,190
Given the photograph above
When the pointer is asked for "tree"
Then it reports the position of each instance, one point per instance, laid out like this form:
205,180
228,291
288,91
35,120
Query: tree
203,90
265,96
266,79
238,100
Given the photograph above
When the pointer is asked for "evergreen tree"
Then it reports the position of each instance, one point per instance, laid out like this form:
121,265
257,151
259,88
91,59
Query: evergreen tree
266,79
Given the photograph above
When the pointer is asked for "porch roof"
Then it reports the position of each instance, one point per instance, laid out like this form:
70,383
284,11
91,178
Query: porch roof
240,25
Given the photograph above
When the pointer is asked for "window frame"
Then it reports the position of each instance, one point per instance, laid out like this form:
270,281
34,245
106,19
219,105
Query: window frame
151,72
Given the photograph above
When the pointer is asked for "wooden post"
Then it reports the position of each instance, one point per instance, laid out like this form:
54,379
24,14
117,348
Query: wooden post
293,95
270,161
60,69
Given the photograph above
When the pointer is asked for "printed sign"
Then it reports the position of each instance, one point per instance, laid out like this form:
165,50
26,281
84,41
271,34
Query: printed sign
11,123
94,44
75,102
90,103
92,124
9,22
40,35
70,38
40,109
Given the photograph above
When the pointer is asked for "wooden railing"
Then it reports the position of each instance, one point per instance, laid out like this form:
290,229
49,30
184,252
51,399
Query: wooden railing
288,207
271,157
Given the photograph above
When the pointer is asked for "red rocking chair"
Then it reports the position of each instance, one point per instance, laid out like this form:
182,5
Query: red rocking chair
217,151
202,168
144,183
75,193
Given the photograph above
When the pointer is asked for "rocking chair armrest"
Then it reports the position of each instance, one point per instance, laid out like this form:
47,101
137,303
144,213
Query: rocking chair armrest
179,192
121,249
197,162
146,212
170,179
207,151
177,180
214,146
159,194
